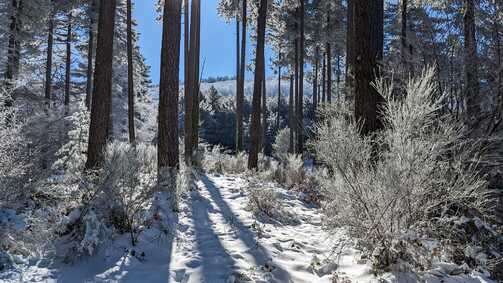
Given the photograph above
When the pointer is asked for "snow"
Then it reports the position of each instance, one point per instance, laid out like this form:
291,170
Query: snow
218,240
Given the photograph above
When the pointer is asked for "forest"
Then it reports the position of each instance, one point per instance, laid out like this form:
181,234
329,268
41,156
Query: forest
352,141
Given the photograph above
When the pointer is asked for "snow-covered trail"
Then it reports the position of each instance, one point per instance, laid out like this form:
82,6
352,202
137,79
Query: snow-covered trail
220,241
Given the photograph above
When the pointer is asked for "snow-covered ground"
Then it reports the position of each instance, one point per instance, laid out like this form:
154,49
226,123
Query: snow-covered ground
218,240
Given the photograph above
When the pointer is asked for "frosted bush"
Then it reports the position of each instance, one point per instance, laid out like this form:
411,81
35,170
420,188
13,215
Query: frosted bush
13,154
92,234
415,171
263,202
130,173
72,156
294,170
281,145
219,161
115,199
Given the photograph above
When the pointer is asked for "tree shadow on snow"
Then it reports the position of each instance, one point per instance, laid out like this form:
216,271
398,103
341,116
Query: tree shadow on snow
261,256
216,263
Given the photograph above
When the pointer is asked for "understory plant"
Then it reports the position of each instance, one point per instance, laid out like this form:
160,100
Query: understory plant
402,179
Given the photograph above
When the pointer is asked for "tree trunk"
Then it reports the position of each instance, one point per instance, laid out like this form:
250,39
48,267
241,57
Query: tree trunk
192,84
329,66
13,51
338,78
238,70
291,115
264,113
499,70
48,65
259,69
90,55
99,130
324,79
315,80
196,43
329,73
366,26
188,102
349,53
168,89
295,128
240,90
472,84
68,59
300,102
279,93
130,77
404,34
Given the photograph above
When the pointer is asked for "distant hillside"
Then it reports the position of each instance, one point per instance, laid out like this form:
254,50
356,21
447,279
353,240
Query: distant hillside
228,88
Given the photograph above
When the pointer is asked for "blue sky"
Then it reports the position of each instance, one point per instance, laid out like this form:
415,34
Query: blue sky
218,40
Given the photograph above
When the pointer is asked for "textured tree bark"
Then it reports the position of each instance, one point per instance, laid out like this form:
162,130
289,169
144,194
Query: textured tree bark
238,69
48,65
366,26
291,115
68,67
130,77
324,79
168,150
240,90
196,28
499,71
189,80
90,55
14,45
338,78
264,113
329,67
315,80
295,117
99,130
349,88
472,84
404,34
188,102
259,68
329,73
279,92
300,103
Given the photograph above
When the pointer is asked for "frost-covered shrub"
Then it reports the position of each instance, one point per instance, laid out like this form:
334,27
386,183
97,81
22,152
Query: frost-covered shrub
215,160
13,151
219,161
263,202
290,172
281,145
238,163
130,173
72,156
113,200
415,171
294,170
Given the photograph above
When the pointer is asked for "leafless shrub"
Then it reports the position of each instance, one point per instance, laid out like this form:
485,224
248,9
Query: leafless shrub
281,145
417,169
13,150
263,202
219,161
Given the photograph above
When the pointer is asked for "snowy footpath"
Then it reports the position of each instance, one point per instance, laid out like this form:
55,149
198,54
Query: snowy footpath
218,240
